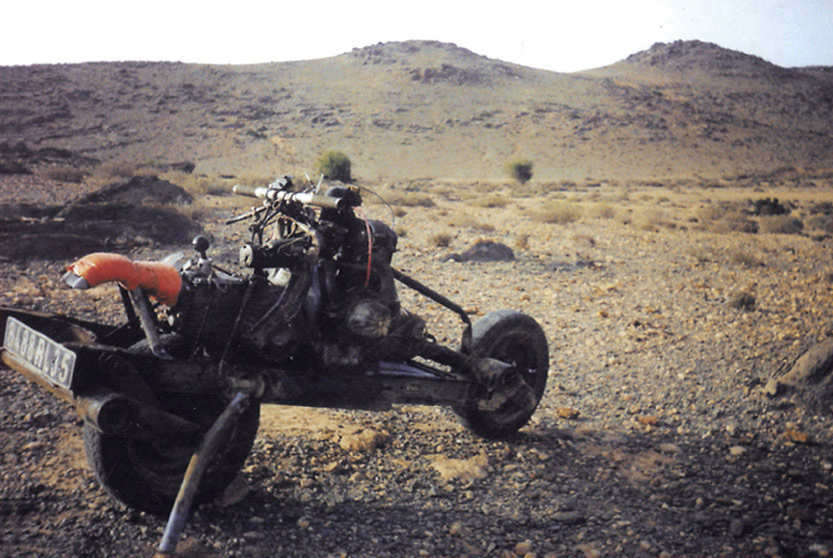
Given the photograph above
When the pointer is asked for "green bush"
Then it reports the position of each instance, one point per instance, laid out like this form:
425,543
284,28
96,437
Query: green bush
519,169
335,165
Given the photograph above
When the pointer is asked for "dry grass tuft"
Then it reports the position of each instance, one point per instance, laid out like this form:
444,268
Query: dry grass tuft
732,222
66,174
559,213
781,224
652,220
466,221
742,300
409,199
745,258
441,240
602,210
204,185
117,169
522,242
490,201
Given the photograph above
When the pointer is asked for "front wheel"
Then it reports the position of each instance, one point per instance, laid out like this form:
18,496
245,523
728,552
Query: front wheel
146,475
518,340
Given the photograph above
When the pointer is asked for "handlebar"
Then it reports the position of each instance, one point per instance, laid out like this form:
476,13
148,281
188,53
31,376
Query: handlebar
273,194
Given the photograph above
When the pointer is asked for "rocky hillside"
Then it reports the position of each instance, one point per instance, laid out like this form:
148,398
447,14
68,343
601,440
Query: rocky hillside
434,110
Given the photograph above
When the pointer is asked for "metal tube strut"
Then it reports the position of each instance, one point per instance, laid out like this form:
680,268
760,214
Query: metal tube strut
216,436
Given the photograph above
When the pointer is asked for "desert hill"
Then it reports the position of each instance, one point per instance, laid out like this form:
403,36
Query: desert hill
421,109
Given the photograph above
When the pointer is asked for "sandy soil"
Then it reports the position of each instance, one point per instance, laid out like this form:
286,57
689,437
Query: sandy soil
655,436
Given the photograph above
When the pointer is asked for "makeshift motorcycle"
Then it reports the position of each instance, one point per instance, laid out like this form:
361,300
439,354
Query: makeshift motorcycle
315,321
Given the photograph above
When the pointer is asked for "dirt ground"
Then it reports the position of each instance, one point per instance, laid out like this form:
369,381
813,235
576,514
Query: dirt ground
656,436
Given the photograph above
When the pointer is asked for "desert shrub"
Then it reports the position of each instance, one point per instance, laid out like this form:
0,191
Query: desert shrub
768,206
742,300
602,210
66,174
409,199
205,185
519,169
781,224
559,213
335,165
465,221
253,179
700,254
441,240
711,212
745,258
733,221
490,201
118,169
652,220
820,222
822,208
584,241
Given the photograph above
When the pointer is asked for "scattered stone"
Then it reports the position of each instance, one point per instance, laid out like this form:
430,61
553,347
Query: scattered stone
819,549
523,548
234,493
797,436
811,378
363,439
648,420
464,470
569,517
736,451
567,413
773,388
485,251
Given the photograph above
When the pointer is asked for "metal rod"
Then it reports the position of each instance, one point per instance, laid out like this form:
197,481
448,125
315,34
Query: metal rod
432,294
216,436
148,321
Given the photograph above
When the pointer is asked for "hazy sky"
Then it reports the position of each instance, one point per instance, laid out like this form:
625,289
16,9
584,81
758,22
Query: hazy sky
556,35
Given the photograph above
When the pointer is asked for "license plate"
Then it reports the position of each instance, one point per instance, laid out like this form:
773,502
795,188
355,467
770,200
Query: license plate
44,356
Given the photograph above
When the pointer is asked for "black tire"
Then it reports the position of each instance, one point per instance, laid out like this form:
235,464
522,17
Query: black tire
516,339
146,475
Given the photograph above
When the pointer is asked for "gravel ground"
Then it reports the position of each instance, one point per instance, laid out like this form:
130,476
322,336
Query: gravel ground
654,438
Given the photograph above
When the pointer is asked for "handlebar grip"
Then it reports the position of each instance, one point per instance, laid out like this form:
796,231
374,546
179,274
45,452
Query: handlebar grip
305,198
250,191
324,201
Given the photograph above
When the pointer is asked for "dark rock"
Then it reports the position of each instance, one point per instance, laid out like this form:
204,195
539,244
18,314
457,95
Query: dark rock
486,251
135,191
811,378
113,217
182,166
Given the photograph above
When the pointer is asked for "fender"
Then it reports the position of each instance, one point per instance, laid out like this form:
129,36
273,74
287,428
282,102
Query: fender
161,281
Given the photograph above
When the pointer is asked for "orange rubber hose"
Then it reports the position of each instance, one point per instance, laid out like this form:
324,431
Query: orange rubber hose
161,281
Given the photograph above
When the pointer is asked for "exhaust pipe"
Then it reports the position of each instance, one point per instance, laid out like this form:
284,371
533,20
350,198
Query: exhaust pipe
110,412
116,414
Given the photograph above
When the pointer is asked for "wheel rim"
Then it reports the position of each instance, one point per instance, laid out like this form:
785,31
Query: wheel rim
162,463
517,349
